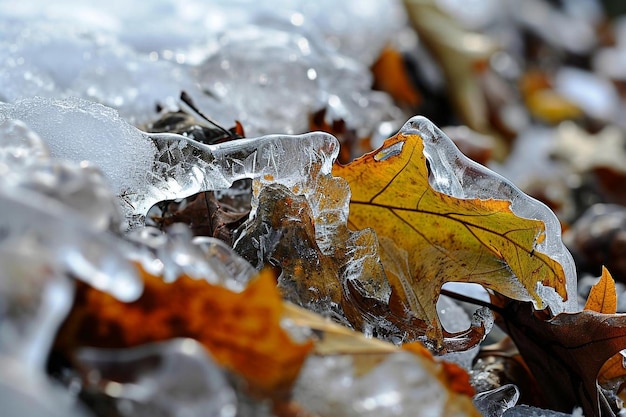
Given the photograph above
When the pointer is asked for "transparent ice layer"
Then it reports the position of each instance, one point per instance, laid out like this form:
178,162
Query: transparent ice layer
456,175
176,252
173,378
495,402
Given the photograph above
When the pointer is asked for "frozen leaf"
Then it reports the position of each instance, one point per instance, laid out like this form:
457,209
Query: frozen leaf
325,267
429,238
241,330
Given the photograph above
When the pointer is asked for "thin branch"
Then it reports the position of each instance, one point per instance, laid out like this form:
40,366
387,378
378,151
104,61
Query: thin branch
185,98
471,300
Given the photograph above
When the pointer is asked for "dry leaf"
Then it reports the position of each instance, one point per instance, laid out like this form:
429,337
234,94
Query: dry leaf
429,238
242,331
603,297
565,353
390,75
205,213
462,54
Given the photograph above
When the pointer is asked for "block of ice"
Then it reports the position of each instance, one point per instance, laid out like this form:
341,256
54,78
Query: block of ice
398,386
35,296
79,130
70,244
172,378
27,393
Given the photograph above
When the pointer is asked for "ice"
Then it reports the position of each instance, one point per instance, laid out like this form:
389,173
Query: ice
554,25
80,130
35,296
172,378
495,402
456,175
73,244
528,411
71,59
398,386
176,252
27,393
19,146
267,73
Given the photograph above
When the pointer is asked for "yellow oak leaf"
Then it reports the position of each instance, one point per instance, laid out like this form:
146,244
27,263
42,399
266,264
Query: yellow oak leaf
428,238
242,331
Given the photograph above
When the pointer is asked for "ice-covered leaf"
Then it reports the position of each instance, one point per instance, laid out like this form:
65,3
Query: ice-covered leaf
429,237
242,331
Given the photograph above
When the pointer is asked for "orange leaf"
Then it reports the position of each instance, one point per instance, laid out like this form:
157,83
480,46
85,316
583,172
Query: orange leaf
428,238
241,330
603,297
390,75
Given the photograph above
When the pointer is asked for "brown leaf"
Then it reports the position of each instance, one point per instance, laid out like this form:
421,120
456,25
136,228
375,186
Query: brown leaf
603,299
205,213
242,331
565,353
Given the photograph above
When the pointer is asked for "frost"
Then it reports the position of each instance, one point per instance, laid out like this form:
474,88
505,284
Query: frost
456,175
